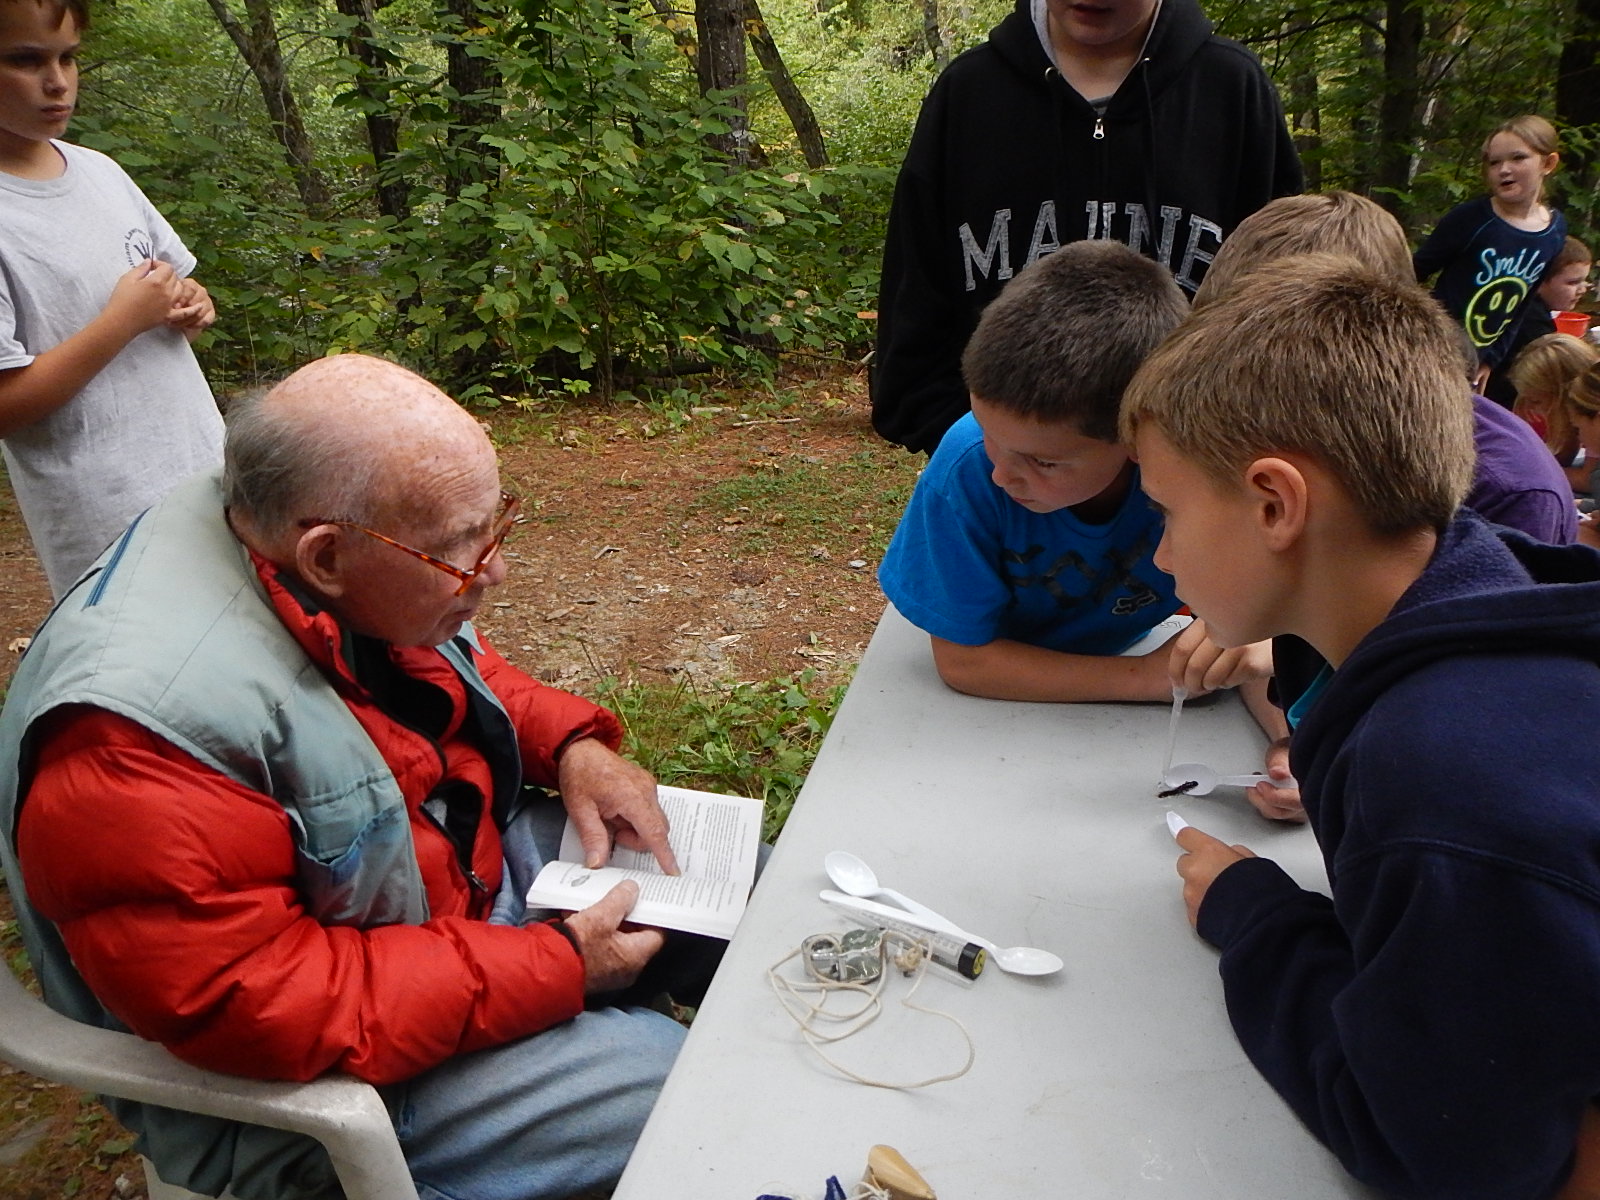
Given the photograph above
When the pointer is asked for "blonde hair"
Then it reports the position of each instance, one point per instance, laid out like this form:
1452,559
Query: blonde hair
1320,356
1533,129
1542,374
1583,397
1334,222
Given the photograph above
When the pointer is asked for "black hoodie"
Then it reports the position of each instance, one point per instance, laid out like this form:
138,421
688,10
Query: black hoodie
1008,162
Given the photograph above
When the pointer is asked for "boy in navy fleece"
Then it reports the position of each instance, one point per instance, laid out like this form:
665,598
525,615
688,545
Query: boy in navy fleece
1437,1021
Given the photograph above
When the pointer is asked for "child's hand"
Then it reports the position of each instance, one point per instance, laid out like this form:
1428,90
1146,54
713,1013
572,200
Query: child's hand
1277,803
1589,530
192,311
144,296
1204,858
1199,665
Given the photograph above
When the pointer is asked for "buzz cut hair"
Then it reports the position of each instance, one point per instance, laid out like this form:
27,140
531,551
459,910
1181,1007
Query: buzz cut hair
1061,341
1320,356
1321,222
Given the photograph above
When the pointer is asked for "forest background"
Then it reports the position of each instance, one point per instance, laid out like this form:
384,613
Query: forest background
529,199
595,221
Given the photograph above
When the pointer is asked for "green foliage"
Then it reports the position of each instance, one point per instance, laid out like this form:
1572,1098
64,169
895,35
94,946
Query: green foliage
746,739
1478,65
581,235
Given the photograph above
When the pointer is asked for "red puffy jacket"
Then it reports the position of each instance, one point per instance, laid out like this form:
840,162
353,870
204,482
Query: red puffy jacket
174,889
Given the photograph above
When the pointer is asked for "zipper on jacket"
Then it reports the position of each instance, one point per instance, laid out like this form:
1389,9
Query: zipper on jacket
463,812
1099,129
458,827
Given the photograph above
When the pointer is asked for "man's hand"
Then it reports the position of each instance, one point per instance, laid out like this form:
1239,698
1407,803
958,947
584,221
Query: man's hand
1277,803
612,956
609,797
1198,664
192,312
143,297
1204,858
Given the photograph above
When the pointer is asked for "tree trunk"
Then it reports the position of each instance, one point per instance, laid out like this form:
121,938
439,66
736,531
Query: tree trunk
1305,114
1397,110
391,190
1578,100
789,95
1363,117
719,28
258,46
474,81
932,34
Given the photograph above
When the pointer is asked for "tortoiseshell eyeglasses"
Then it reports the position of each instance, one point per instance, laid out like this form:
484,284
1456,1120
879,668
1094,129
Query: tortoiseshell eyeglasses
503,522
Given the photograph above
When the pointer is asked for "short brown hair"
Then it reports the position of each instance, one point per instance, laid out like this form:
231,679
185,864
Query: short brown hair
1062,340
1572,251
1533,129
1321,356
1331,222
1543,374
78,8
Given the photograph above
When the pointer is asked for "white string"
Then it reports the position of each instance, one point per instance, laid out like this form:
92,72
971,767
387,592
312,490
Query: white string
912,959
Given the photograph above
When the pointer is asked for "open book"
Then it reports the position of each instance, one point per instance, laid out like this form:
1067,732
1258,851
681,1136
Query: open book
715,839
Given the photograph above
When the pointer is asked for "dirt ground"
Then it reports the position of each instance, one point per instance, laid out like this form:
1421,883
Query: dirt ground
734,540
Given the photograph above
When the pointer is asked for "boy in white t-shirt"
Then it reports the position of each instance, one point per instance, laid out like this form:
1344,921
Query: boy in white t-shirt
102,404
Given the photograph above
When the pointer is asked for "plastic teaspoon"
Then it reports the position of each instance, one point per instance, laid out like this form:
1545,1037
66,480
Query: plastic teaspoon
854,877
1205,779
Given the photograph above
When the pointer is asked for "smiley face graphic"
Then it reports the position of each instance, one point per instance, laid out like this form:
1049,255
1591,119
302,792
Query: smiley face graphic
1492,308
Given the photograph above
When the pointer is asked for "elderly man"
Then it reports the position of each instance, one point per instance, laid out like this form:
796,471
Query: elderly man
265,786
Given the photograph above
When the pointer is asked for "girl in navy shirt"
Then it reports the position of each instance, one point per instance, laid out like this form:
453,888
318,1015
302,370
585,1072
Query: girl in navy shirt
1492,252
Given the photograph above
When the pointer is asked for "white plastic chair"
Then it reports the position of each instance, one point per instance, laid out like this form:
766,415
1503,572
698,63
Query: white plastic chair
344,1114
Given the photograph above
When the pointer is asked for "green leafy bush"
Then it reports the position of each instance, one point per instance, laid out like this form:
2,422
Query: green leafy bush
745,739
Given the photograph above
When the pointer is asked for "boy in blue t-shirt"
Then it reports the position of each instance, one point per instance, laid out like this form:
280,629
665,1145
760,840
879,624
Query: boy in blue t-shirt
1025,552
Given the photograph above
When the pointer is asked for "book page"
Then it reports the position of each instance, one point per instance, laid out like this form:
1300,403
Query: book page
715,839
669,901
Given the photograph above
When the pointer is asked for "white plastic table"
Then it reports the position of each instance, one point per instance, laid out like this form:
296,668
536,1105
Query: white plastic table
1031,824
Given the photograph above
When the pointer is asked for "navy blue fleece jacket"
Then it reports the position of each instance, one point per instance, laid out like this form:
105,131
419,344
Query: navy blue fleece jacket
1437,1022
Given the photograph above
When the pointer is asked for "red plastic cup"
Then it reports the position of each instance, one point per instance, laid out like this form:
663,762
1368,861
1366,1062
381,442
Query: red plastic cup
1574,323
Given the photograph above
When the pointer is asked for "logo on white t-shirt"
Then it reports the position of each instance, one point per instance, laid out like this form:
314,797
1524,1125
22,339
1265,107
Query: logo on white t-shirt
139,246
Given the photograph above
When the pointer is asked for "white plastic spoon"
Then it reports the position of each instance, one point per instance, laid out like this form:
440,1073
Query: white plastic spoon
855,878
1205,779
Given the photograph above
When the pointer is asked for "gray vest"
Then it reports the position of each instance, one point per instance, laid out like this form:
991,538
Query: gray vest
172,629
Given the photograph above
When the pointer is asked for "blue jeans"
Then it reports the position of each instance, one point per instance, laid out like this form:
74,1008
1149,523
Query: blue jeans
543,1118
548,1116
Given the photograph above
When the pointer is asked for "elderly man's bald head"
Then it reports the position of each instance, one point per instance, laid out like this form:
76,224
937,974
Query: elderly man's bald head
350,437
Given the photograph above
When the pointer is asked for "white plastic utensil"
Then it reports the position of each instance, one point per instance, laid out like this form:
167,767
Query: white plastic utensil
1205,779
855,878
851,875
1179,695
